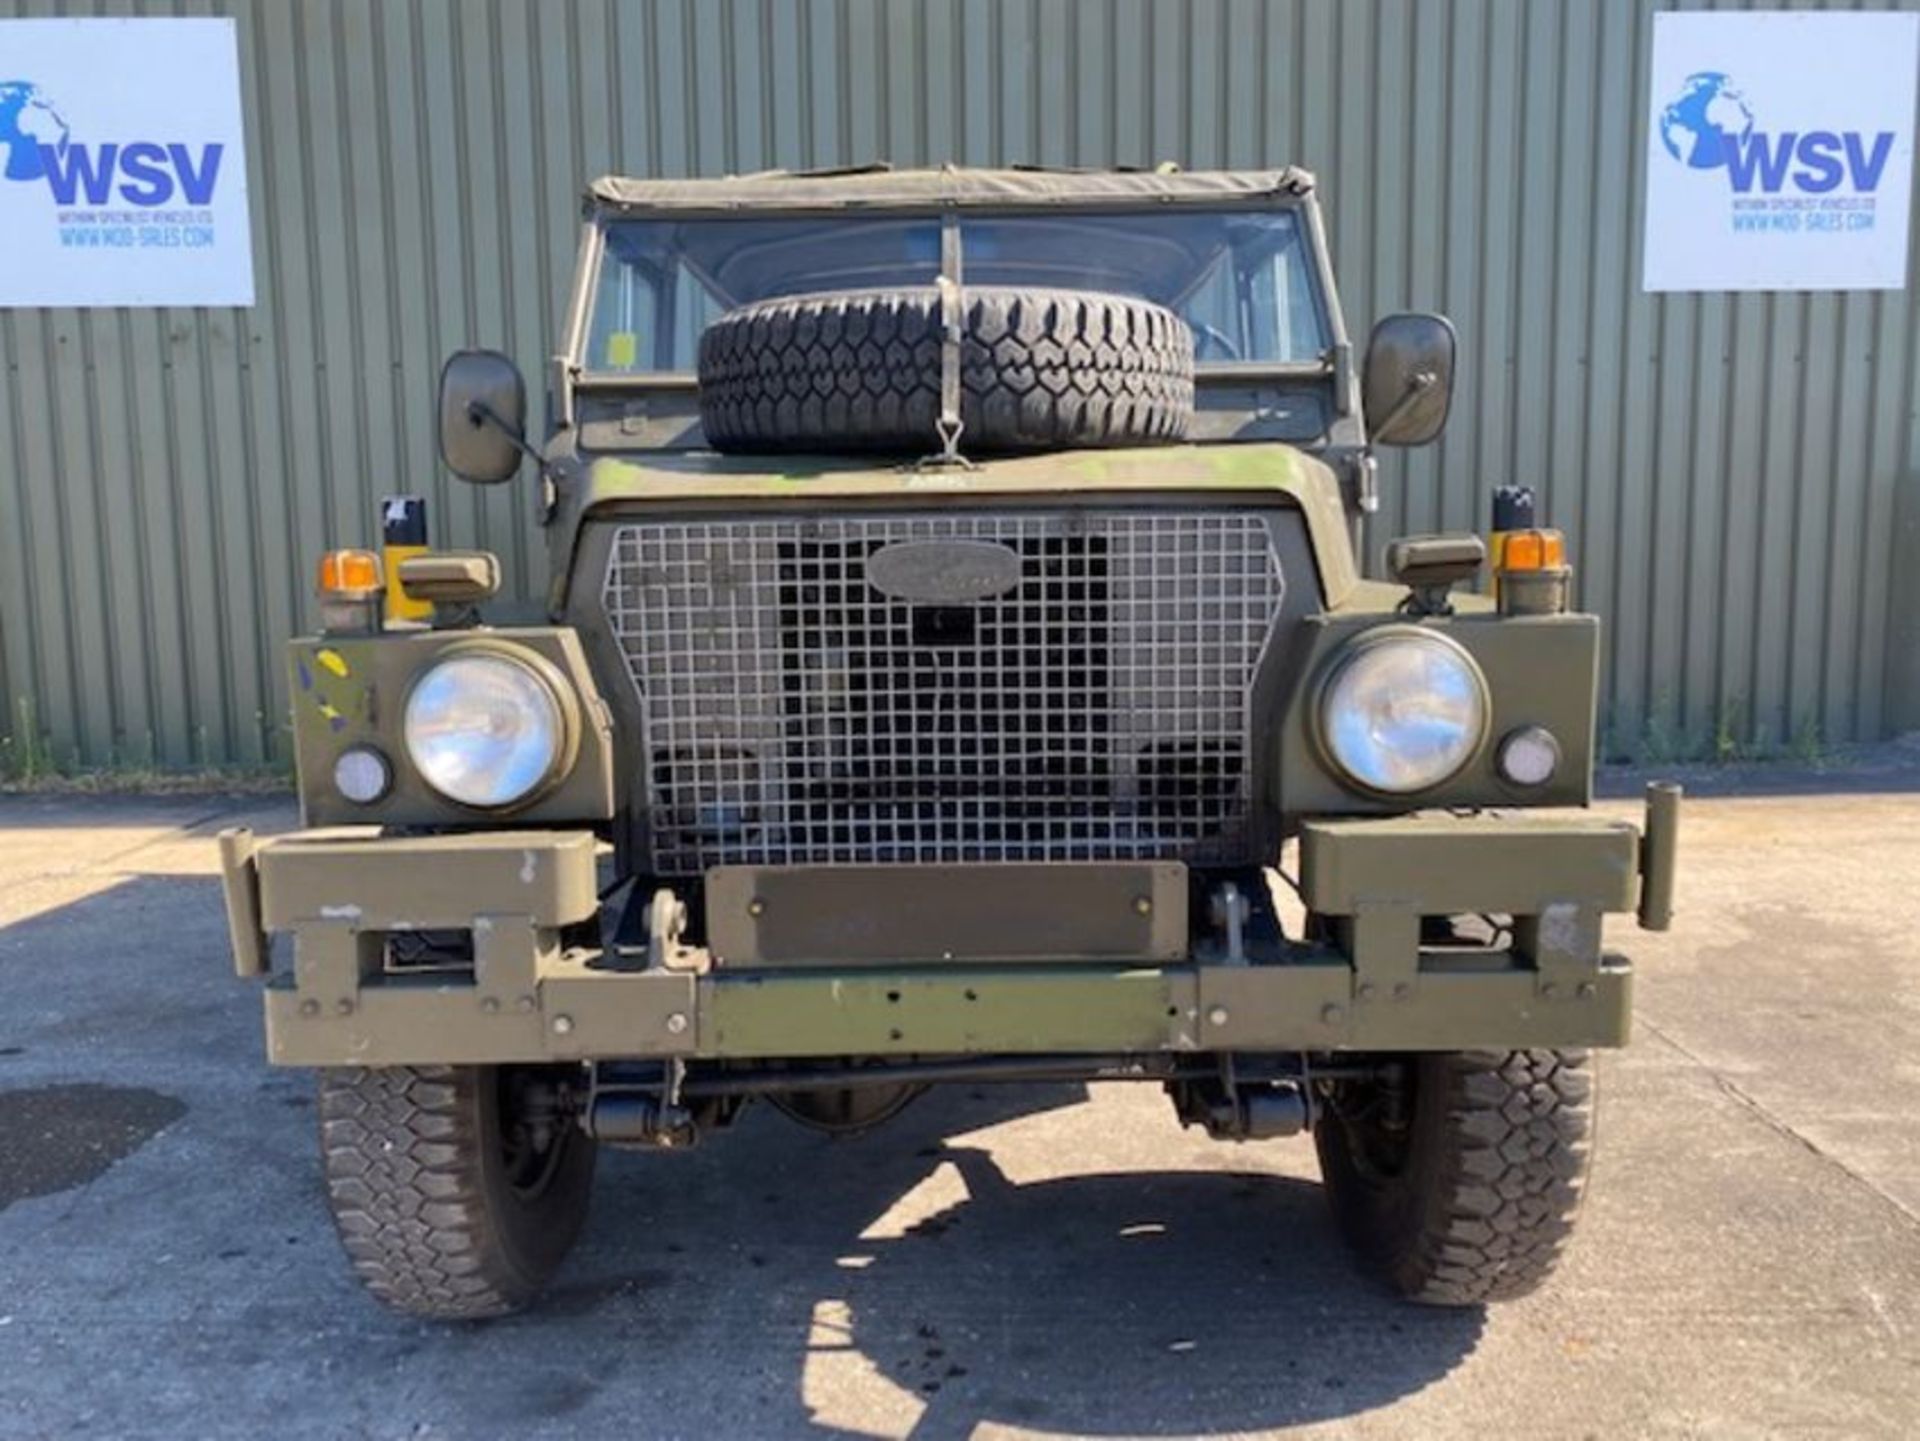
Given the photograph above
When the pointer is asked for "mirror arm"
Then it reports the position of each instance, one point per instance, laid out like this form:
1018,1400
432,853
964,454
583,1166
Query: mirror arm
480,413
1420,382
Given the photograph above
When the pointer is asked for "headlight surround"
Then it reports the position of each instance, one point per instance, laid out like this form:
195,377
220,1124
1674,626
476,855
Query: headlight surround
1403,711
486,728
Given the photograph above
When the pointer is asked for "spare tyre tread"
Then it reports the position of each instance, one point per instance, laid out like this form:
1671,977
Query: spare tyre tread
860,370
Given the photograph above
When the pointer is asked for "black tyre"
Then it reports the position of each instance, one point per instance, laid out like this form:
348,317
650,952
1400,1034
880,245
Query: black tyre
456,1193
1459,1184
860,370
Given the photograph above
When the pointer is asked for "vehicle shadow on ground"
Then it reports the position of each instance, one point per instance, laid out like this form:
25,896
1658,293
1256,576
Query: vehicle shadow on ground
904,1277
771,1282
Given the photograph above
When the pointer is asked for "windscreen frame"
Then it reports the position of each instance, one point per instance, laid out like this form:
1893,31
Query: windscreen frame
1316,270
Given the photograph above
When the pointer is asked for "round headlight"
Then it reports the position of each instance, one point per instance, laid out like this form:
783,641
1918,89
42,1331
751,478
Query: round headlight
1404,713
484,730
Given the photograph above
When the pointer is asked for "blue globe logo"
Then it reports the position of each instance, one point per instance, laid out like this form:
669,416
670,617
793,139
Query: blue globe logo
1710,113
27,121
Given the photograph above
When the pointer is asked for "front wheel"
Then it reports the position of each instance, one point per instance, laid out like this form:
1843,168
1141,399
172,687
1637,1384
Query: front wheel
457,1190
1457,1176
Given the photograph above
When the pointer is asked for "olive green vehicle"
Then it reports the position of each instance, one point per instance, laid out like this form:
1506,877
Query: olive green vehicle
956,667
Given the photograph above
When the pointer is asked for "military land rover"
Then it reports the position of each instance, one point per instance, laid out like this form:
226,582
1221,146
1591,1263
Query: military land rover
956,667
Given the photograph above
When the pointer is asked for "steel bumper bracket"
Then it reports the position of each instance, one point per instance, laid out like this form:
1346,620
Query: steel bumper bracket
1377,881
343,897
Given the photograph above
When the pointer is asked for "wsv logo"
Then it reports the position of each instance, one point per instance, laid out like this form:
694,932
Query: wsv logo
1710,128
35,144
148,173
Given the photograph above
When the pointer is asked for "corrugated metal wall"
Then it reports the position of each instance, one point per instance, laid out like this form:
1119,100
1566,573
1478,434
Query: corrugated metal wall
1727,467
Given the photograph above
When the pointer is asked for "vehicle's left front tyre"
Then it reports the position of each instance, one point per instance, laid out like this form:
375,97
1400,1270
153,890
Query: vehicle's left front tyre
1457,1180
457,1190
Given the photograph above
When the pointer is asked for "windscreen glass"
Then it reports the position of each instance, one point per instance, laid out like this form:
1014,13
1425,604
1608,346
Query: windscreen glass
1243,281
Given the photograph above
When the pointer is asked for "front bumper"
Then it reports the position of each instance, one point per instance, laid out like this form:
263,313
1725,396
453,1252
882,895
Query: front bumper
545,986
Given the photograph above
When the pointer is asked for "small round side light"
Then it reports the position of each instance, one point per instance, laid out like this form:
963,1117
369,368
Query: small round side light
362,775
1529,756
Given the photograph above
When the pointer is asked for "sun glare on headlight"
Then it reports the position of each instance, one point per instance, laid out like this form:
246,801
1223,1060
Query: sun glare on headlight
1404,713
483,730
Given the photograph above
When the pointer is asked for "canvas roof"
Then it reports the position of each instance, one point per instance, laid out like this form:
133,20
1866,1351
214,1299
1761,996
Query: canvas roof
948,186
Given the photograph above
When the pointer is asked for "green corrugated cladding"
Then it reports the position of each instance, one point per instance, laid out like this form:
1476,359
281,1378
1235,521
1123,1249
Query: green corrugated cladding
1729,469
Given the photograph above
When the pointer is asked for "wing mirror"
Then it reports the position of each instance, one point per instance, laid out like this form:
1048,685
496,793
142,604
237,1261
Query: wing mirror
483,416
1407,386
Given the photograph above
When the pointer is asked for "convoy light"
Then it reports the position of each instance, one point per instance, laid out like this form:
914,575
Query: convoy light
1529,756
1404,711
362,775
484,728
1533,577
1534,550
349,575
351,589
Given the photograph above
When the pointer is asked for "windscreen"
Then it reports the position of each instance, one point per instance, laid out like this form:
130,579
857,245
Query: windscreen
1243,281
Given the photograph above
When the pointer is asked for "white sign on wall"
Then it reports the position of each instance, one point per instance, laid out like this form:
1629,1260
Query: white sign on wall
1780,150
123,180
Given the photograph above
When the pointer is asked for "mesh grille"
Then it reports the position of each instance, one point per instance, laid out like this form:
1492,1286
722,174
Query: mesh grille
1096,708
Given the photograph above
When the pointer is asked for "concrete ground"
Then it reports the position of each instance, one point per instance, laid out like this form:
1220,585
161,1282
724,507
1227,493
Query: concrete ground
1050,1261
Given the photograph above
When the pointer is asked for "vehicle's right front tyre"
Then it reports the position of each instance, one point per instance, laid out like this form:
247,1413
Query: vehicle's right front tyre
457,1190
1456,1177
